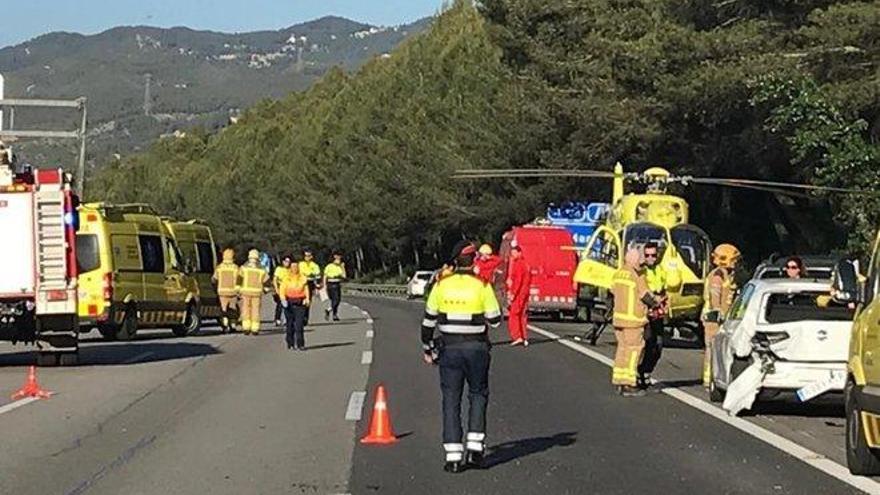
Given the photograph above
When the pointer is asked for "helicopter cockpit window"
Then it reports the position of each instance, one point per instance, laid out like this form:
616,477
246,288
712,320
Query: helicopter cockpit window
638,234
604,250
693,246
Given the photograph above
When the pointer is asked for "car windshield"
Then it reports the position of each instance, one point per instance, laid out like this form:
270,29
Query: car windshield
803,306
423,276
693,246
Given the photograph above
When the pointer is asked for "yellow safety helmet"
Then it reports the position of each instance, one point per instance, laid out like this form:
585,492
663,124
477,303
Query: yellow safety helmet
228,255
725,255
253,255
486,249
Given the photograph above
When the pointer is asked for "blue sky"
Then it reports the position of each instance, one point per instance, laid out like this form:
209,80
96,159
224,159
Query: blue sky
25,19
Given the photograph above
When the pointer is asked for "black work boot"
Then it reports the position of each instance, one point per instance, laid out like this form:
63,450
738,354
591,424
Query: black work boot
475,459
453,467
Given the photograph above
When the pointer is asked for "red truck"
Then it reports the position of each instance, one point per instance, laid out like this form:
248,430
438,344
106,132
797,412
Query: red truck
551,255
38,288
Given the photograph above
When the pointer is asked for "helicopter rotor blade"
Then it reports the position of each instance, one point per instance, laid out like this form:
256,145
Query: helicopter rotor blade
781,187
529,173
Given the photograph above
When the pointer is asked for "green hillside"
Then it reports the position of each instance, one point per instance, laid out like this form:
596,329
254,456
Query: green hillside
196,77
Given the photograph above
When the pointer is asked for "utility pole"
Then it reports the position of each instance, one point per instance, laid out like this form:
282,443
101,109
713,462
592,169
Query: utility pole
148,100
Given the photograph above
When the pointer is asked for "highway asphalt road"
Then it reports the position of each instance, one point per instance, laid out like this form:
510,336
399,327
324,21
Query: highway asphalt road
235,414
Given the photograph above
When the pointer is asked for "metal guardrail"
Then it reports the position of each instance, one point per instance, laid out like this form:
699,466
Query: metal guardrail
375,290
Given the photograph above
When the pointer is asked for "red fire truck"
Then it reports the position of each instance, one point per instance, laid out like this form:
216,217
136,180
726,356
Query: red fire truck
550,253
38,286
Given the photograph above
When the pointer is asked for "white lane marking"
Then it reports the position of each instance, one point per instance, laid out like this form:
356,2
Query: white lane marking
15,405
370,334
797,451
137,358
355,405
370,321
367,357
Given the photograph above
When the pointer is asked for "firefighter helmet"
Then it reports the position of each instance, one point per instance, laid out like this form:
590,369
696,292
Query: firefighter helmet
725,255
486,249
253,255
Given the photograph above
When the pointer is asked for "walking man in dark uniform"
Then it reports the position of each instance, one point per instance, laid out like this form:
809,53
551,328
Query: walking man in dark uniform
459,308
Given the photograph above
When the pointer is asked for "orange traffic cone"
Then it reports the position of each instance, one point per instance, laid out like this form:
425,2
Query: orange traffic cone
380,422
31,388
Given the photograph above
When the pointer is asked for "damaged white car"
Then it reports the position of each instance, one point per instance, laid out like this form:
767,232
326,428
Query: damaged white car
780,335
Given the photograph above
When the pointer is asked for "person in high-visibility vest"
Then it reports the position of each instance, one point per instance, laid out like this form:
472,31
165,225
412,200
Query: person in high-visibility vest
226,279
253,282
334,275
657,280
312,271
717,297
460,307
278,277
295,293
631,302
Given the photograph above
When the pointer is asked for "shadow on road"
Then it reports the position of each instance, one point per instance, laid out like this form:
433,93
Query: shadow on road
328,346
517,449
122,354
679,383
790,407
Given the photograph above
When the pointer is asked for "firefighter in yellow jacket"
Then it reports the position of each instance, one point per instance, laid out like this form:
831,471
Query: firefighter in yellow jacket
253,281
717,297
632,299
226,279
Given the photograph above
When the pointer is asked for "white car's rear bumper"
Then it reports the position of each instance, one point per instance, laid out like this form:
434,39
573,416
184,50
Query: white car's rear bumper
792,375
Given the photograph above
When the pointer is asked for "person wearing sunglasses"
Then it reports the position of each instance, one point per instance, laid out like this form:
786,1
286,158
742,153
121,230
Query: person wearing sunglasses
794,267
656,277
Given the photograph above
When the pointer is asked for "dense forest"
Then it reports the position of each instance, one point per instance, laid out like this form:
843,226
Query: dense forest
775,89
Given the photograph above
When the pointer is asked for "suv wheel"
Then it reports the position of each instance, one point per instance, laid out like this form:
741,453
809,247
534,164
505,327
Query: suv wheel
860,458
715,393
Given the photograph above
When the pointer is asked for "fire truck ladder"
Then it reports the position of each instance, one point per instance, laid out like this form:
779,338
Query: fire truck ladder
51,248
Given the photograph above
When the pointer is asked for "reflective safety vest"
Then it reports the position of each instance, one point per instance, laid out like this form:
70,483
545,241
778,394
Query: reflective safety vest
334,273
281,274
310,270
226,277
629,288
295,287
461,304
718,291
253,278
656,278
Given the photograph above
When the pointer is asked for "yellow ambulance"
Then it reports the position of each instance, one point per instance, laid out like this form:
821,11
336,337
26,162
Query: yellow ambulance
131,273
196,244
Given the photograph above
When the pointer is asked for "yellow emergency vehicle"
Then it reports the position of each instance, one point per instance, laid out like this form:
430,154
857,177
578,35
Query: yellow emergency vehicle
196,244
131,273
862,389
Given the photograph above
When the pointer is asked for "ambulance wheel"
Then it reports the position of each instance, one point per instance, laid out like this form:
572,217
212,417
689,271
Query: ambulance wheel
47,359
860,458
191,325
128,328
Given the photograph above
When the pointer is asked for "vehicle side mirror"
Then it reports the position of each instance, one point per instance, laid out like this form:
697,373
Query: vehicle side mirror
845,286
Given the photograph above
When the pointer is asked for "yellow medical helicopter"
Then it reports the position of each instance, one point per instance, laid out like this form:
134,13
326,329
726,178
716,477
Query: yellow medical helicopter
636,218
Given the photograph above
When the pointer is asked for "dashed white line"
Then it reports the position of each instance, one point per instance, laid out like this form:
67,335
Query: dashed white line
15,405
367,357
137,358
370,334
797,451
355,405
369,321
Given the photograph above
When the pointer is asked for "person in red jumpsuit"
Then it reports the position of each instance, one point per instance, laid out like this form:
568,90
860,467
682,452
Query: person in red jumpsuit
518,281
486,264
